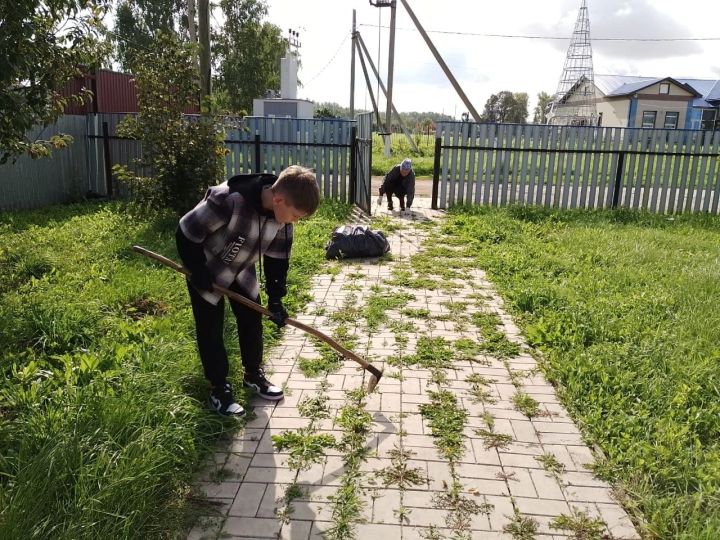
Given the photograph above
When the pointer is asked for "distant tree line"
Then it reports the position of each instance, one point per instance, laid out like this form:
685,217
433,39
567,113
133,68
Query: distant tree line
503,107
414,121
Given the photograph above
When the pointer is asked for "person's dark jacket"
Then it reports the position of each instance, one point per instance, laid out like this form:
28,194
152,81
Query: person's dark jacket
397,184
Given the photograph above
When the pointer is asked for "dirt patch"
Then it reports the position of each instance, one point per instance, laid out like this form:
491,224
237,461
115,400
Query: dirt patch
142,307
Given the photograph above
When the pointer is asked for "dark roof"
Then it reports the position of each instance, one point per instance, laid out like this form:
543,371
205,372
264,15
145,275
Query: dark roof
704,90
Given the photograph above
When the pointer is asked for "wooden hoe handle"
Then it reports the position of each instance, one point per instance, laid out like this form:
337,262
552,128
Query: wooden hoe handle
376,373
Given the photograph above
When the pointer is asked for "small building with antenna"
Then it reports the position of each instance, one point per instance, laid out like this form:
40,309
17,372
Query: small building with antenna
286,104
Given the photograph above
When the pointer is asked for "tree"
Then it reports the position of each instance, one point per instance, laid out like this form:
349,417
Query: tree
182,155
324,112
44,45
541,109
139,22
519,109
506,107
248,53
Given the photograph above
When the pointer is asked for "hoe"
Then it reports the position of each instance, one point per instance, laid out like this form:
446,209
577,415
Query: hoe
375,373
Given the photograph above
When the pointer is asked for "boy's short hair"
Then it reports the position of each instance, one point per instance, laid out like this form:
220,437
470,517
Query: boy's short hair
300,186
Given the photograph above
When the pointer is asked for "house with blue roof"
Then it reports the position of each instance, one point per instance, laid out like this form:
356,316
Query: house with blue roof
657,102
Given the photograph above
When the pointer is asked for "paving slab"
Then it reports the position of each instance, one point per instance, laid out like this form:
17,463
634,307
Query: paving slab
249,479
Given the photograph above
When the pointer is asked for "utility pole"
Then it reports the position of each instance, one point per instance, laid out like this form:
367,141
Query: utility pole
442,63
369,87
392,4
191,21
204,35
391,67
192,30
363,49
352,69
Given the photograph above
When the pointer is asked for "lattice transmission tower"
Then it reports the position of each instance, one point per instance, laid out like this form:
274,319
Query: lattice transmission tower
574,102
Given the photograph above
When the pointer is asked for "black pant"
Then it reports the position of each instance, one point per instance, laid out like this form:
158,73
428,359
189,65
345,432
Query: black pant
209,329
400,194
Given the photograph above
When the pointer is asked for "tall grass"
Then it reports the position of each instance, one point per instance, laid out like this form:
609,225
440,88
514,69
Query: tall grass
624,307
102,399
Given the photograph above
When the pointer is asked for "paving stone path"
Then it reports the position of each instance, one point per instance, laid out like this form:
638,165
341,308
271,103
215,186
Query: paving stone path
248,479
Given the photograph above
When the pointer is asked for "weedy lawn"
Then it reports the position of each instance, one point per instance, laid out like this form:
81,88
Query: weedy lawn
624,307
102,399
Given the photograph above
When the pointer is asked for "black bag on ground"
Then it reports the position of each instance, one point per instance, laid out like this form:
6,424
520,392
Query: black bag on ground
350,241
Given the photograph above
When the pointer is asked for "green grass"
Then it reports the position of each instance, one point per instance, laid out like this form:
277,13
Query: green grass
624,307
423,159
102,399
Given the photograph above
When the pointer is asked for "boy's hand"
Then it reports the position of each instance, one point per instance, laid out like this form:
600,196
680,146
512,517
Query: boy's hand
278,313
201,279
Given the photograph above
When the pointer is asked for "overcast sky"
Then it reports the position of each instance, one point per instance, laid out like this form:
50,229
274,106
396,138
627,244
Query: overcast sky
487,65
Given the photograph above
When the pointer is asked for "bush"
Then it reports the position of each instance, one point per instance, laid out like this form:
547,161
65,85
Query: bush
181,155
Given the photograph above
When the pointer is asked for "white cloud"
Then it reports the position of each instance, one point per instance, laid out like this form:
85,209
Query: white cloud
621,19
485,65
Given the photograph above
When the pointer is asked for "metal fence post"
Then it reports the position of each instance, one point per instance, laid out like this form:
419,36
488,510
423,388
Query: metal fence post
618,180
257,152
353,164
436,173
108,161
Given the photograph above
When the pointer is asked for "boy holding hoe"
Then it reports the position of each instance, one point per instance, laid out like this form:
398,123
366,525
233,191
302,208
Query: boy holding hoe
245,220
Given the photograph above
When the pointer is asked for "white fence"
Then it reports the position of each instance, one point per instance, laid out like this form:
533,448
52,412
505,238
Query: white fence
255,144
267,144
577,167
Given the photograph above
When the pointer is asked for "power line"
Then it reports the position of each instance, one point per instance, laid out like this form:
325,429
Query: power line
563,38
330,61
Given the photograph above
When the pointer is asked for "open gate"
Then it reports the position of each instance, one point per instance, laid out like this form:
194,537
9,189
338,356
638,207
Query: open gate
361,158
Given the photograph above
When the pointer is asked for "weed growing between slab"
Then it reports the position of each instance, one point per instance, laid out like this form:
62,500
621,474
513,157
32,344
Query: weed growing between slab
478,389
521,527
517,376
494,341
551,464
329,361
306,446
385,224
461,510
379,303
348,313
469,350
292,492
491,439
398,473
447,422
494,440
416,313
355,422
430,353
401,328
582,526
526,404
403,277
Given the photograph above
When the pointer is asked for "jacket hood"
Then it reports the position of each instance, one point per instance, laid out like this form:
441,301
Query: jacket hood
250,186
